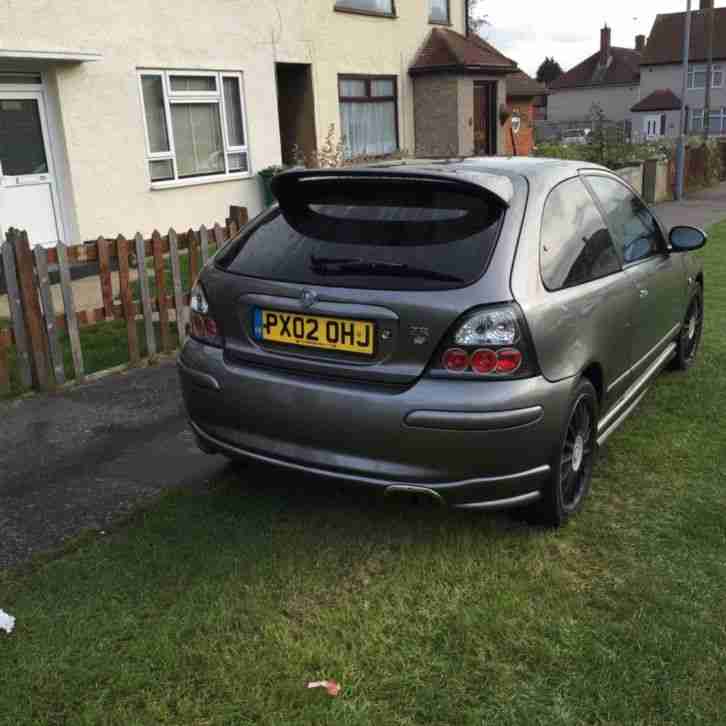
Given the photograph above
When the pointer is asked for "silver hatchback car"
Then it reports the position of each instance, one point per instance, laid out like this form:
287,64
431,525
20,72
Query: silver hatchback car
468,330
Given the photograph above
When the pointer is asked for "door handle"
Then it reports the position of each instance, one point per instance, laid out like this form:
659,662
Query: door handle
643,293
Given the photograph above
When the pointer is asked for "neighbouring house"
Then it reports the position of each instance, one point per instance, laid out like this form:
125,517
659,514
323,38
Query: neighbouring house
658,112
123,116
609,79
523,93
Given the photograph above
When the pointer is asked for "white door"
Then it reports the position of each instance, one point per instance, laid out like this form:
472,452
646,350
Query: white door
652,127
28,193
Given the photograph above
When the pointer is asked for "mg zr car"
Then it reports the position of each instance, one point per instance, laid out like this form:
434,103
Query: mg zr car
469,330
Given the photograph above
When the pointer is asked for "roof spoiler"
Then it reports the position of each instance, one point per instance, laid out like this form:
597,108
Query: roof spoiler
500,187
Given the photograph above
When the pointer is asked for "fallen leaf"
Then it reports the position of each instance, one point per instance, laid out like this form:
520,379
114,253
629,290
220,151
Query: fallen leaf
332,687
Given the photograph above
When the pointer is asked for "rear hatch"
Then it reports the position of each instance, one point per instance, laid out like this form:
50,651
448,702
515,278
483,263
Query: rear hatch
358,274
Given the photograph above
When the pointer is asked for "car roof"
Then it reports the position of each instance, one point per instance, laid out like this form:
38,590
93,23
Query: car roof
498,174
531,167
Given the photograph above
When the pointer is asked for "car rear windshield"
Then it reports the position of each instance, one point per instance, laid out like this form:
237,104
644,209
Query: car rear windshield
371,232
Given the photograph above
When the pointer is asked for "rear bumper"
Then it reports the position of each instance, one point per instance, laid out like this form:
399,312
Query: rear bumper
484,445
504,492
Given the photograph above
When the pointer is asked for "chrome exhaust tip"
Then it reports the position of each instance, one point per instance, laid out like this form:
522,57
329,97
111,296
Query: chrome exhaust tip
415,491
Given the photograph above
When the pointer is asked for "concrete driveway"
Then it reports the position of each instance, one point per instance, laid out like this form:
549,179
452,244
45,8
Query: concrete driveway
701,209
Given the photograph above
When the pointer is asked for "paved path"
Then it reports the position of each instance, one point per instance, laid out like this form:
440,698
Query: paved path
701,209
78,459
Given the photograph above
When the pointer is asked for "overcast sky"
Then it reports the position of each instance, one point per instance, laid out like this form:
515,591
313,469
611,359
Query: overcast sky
527,31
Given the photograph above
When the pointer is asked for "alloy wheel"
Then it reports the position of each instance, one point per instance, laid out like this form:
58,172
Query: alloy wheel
693,328
577,455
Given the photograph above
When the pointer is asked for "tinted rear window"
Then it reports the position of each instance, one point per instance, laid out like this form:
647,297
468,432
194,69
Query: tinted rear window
372,233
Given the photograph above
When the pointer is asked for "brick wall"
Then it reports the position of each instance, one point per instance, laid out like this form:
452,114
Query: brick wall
436,115
524,140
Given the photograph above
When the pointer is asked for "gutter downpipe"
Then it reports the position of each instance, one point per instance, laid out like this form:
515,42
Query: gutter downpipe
681,151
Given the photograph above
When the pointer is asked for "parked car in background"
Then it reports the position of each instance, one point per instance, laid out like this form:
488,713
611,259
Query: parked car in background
575,136
471,331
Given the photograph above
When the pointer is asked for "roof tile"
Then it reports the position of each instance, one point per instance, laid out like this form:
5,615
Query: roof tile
661,100
665,44
520,84
446,49
622,69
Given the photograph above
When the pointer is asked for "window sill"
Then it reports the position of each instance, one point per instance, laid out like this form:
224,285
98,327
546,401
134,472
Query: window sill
368,13
443,23
198,181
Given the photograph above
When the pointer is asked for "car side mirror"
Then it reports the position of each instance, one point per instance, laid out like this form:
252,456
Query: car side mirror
687,239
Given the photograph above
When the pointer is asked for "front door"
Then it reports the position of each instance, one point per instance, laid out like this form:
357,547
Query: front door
652,127
485,118
28,194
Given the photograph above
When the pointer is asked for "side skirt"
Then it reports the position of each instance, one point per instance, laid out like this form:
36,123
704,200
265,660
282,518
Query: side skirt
633,396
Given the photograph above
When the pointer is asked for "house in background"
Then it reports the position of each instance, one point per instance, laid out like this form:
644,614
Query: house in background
523,93
135,115
609,78
661,76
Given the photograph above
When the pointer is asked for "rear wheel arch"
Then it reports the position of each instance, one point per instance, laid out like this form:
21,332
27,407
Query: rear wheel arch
594,373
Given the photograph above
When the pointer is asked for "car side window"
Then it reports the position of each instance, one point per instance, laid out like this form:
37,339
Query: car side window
634,229
575,244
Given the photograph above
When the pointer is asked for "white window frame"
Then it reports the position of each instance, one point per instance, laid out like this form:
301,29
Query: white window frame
201,97
702,68
699,113
696,113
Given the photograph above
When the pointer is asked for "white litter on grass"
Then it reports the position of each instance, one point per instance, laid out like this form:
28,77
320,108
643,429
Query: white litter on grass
7,622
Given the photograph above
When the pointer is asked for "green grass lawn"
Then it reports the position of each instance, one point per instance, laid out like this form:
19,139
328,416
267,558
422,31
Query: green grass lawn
217,606
104,346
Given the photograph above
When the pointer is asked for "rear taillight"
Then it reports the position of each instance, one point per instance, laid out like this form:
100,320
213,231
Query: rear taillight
455,360
202,326
490,342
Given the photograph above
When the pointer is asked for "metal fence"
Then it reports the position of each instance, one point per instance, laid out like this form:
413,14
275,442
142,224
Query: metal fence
554,131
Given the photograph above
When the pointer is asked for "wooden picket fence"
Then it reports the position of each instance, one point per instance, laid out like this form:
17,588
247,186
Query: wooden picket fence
36,326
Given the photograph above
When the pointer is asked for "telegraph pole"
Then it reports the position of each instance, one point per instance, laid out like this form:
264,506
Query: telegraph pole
681,151
709,70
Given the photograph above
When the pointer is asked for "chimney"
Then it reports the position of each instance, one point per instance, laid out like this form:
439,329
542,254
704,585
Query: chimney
640,43
604,46
706,4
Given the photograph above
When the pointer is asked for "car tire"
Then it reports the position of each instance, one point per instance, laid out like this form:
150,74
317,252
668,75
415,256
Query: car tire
689,339
573,462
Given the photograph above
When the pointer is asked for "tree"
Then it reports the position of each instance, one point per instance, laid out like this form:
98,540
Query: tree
477,20
549,71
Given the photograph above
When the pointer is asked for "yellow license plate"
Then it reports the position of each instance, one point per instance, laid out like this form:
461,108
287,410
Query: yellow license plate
314,331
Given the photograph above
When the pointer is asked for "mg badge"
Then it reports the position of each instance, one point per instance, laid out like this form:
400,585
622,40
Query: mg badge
419,334
307,299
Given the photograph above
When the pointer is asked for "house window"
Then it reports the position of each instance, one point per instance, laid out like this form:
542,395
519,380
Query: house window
439,11
195,125
369,115
697,75
696,120
376,7
716,124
